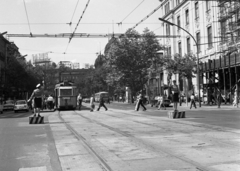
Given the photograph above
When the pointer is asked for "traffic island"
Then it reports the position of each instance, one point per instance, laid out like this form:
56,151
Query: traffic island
176,114
36,120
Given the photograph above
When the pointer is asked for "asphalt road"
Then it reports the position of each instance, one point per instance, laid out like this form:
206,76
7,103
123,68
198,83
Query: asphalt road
121,139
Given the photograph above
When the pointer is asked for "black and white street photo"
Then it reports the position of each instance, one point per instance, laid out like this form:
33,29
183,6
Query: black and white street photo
120,85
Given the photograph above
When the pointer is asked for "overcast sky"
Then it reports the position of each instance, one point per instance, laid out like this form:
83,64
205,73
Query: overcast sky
51,16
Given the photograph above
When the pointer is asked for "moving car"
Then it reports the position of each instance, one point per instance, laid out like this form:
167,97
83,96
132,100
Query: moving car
86,100
21,105
8,105
166,102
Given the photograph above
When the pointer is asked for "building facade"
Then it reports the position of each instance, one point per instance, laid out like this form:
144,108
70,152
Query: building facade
211,34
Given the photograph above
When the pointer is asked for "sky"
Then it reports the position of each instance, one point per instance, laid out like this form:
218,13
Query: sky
52,16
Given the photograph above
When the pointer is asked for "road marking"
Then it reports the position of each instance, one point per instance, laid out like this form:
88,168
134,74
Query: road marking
42,168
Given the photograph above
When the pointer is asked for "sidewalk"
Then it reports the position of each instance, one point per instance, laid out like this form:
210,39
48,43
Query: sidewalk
186,106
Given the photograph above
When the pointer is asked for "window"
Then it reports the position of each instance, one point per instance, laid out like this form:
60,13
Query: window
177,2
178,22
167,29
209,33
223,30
180,48
167,8
196,10
198,42
188,45
169,51
207,5
187,17
65,92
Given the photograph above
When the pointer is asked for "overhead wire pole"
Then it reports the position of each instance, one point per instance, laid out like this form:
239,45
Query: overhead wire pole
82,35
198,73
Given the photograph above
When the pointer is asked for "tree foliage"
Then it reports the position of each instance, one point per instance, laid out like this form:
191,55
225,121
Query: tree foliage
130,57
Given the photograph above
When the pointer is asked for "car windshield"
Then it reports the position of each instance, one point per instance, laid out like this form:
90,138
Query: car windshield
9,102
20,102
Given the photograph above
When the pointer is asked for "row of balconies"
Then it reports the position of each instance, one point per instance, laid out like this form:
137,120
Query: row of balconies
227,12
222,62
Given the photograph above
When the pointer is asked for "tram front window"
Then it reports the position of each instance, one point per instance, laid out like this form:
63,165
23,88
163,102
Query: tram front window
65,92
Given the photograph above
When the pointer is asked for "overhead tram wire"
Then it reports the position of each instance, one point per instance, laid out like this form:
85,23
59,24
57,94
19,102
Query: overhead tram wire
66,23
146,17
71,36
120,23
73,14
78,22
27,17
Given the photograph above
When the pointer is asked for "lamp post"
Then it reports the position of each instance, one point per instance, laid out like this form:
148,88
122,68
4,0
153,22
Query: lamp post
198,73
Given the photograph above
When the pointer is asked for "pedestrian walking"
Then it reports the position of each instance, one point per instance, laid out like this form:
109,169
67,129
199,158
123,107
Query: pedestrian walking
161,102
92,105
79,99
193,103
235,100
37,97
219,99
101,104
50,102
140,102
175,92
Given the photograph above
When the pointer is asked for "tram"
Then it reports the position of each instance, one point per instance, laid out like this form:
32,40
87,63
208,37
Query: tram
103,94
65,95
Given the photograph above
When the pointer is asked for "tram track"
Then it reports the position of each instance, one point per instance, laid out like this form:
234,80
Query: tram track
100,160
197,166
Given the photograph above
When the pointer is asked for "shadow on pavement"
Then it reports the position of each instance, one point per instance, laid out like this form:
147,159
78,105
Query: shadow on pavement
11,114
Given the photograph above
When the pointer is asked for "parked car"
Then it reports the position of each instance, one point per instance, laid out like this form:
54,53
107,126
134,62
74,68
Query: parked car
8,105
1,108
21,105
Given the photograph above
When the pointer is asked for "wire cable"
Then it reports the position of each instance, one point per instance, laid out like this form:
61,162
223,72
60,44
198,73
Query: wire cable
73,13
146,17
131,12
27,17
79,21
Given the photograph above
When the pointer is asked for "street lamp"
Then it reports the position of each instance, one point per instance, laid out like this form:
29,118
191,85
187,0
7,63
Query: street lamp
198,76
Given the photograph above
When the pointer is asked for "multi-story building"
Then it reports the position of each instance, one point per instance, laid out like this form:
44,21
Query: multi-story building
65,63
205,25
76,65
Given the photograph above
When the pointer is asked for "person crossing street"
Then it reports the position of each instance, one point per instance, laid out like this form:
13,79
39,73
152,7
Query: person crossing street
79,99
192,97
101,104
140,102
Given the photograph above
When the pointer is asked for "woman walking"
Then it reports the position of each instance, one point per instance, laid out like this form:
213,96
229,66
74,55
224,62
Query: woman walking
175,92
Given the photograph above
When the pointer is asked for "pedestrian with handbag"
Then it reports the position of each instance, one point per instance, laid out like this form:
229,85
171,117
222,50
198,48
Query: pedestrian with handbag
140,102
92,105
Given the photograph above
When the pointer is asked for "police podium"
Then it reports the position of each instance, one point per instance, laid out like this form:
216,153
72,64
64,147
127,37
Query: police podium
176,114
36,119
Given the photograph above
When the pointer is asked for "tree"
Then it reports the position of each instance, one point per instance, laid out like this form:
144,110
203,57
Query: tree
129,58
